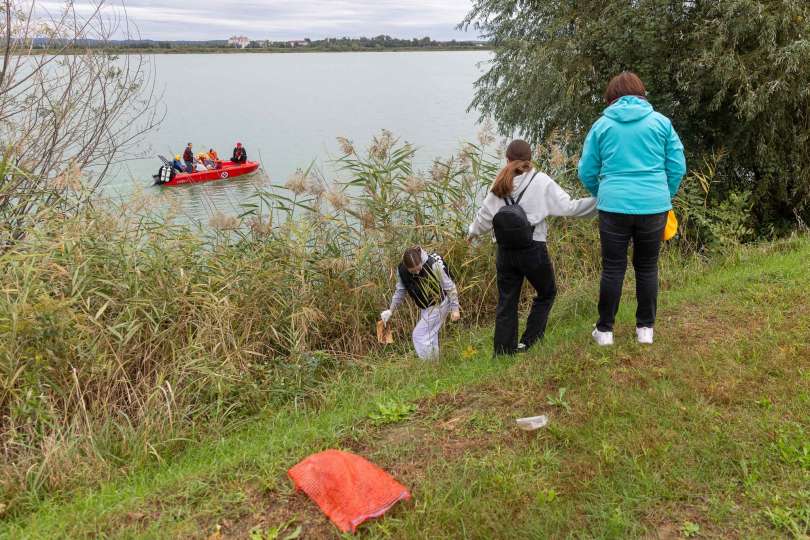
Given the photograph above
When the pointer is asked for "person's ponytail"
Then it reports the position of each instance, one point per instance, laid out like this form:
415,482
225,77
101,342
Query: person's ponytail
519,155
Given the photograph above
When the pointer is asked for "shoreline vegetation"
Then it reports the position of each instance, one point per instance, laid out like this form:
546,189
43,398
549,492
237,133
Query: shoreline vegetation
157,378
241,44
126,338
740,470
268,50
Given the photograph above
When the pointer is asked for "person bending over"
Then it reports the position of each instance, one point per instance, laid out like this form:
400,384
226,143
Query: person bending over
426,279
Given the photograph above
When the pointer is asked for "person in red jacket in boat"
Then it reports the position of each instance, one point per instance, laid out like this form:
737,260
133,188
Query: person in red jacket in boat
188,157
239,154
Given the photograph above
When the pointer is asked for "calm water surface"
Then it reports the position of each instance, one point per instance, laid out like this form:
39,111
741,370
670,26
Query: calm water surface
287,109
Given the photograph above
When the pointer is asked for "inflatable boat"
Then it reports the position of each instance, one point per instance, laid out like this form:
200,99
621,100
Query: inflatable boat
225,170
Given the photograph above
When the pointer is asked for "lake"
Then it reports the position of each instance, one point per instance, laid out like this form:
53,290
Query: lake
288,109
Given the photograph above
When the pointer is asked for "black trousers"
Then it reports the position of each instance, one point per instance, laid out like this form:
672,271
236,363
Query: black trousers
616,231
513,266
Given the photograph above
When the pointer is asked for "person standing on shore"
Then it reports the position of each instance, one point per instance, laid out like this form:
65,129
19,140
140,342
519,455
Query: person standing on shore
516,208
633,162
425,278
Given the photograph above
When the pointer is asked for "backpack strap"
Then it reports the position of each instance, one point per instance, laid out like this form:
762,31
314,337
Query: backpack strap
517,201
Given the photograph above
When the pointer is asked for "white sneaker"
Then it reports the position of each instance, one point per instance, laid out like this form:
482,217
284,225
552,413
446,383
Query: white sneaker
603,339
644,335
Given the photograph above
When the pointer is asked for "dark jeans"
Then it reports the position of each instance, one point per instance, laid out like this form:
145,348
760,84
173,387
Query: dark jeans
616,231
533,264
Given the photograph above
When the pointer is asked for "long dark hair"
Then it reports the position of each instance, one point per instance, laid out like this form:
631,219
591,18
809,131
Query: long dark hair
519,156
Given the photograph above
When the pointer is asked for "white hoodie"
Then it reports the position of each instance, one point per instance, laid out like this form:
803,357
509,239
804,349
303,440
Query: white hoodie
543,198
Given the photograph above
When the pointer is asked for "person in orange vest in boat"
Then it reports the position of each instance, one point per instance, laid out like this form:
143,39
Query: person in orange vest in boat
188,158
213,156
239,154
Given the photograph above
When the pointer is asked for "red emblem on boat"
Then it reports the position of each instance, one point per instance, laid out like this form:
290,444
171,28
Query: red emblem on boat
223,174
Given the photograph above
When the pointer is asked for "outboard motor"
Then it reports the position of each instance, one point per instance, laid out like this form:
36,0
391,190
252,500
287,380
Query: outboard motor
165,174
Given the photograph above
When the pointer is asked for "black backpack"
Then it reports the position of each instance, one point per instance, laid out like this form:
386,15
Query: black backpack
511,225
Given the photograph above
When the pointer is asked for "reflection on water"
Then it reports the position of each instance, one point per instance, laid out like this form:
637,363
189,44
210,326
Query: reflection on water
200,201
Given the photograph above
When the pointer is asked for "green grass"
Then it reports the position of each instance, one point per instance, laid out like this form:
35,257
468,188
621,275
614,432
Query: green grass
704,434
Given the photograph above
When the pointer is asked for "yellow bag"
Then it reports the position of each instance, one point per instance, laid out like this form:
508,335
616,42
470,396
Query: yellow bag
671,228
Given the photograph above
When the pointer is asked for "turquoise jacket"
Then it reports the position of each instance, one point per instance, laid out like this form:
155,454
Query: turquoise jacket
632,161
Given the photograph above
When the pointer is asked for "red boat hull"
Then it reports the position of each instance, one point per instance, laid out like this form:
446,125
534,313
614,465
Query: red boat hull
228,170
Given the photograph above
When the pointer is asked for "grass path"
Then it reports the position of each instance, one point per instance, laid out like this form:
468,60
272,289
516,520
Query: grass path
704,434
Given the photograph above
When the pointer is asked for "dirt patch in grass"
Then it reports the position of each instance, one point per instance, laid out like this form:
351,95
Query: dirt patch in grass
275,509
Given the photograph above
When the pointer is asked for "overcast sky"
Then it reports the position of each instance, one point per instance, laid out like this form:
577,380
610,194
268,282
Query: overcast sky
291,19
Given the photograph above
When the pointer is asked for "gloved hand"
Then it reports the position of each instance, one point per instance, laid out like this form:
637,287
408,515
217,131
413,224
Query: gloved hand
386,315
455,316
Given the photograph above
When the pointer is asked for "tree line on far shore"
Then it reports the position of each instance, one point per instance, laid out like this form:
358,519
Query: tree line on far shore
380,42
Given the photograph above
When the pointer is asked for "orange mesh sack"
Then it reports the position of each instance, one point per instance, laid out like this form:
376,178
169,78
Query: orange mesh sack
346,487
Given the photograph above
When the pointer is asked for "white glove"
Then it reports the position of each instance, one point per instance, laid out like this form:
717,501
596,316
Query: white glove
386,315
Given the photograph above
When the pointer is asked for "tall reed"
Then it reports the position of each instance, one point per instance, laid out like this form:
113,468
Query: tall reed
124,336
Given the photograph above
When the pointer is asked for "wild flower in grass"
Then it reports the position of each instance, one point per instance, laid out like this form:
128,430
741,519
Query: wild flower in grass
381,145
337,199
298,183
413,185
486,135
222,222
346,146
469,352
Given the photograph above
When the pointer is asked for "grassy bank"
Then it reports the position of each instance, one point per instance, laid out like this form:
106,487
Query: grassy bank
126,338
703,434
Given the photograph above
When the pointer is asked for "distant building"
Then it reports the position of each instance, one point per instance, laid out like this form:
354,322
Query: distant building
299,43
238,41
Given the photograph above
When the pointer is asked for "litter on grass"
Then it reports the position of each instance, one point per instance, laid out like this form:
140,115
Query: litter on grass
532,422
346,487
384,333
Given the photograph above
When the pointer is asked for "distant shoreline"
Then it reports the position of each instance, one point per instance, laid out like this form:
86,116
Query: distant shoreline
268,50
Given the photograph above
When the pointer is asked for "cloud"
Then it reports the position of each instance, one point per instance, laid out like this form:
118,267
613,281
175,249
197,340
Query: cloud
287,19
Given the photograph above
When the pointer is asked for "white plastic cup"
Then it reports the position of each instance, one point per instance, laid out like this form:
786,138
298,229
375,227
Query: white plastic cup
532,422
